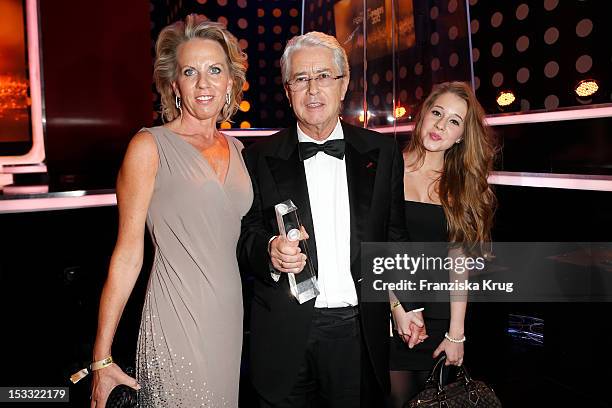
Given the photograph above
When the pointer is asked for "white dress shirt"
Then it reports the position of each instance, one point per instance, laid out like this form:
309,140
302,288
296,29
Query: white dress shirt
331,217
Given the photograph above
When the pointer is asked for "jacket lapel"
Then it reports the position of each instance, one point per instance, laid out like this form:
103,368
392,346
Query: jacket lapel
288,173
361,163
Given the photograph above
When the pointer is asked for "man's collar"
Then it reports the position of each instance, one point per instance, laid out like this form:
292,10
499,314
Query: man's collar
337,133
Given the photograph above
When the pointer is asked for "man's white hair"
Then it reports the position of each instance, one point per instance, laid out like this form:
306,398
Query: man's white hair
313,39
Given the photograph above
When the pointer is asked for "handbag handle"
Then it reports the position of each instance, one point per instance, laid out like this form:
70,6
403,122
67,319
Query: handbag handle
439,367
462,374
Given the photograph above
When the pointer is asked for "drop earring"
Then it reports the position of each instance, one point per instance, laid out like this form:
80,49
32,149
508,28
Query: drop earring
177,102
227,99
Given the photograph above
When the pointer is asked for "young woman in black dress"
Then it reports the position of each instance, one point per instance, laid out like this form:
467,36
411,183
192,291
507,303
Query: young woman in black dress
448,199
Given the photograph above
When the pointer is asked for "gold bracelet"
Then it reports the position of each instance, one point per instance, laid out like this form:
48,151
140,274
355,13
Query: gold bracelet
95,366
395,304
100,364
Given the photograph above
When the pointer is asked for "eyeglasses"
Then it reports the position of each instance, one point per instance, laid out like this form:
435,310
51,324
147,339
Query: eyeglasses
323,80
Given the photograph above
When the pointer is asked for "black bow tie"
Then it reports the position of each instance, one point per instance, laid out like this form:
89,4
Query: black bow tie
332,147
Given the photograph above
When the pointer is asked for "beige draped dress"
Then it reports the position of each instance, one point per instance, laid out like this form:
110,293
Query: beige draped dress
190,336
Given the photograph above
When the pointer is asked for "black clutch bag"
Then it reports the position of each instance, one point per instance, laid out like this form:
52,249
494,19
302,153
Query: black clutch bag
123,396
464,392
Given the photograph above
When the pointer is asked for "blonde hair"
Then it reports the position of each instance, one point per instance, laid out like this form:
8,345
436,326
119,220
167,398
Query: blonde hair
166,64
468,200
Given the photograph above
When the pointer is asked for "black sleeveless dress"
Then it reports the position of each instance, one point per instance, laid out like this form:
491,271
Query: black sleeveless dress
426,223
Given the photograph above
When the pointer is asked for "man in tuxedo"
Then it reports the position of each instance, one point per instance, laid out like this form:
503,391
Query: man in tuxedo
347,183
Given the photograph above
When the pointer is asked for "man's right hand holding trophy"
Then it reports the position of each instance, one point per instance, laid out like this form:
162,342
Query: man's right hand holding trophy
286,254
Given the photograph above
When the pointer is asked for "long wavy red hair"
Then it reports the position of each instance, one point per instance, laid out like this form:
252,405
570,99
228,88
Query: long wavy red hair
468,201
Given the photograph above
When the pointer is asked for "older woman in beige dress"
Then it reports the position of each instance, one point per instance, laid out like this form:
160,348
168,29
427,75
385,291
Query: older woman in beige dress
187,182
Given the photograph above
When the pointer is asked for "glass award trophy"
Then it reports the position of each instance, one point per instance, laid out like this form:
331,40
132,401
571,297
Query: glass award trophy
304,284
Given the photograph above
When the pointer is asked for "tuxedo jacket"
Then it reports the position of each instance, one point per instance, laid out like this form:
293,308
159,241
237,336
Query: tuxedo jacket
279,324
